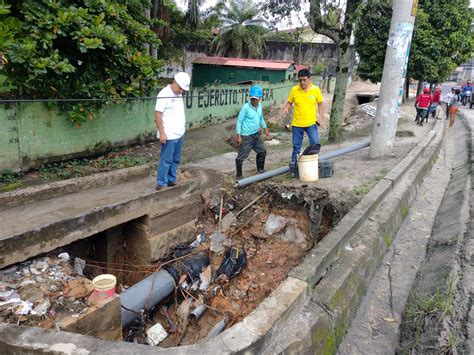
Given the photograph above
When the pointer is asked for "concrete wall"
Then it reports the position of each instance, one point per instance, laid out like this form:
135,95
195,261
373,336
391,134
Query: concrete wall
31,133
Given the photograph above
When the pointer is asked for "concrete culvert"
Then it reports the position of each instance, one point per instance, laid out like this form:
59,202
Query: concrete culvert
194,293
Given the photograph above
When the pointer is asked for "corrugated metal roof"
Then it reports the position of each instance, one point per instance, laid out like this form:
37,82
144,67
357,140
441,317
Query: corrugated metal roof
241,62
298,67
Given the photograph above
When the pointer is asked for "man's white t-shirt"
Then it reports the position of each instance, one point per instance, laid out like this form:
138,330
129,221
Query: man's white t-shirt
171,106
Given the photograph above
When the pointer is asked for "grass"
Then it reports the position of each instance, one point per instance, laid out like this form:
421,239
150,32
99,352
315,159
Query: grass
367,185
82,167
426,307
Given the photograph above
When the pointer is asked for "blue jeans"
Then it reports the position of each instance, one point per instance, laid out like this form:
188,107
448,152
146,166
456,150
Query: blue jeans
170,157
298,134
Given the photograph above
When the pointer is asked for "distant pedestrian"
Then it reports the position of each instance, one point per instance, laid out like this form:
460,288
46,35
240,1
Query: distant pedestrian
436,101
454,106
447,100
422,104
249,123
170,123
308,111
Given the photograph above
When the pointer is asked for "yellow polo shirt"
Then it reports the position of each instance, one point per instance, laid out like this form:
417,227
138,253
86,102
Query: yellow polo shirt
304,105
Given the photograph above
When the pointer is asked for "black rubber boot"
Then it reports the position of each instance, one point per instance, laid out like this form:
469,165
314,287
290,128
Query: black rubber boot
238,169
260,163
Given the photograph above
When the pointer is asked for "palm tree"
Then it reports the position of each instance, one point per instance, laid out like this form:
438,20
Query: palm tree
242,31
193,13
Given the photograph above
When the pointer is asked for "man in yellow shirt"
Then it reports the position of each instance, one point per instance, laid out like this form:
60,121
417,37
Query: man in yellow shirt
308,109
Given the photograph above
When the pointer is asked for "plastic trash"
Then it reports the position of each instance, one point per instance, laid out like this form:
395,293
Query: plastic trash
42,308
234,261
193,265
205,277
64,256
201,238
275,224
156,334
218,242
79,265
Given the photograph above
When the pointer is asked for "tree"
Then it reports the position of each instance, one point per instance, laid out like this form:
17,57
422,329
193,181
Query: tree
241,34
441,39
332,18
77,49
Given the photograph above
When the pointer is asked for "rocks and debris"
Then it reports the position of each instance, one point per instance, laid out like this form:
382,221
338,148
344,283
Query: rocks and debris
156,334
246,263
218,242
370,109
42,291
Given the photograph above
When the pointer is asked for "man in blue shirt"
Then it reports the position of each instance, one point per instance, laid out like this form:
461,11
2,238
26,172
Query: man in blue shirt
249,122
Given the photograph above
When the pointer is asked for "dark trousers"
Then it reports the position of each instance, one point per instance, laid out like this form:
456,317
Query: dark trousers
421,114
250,142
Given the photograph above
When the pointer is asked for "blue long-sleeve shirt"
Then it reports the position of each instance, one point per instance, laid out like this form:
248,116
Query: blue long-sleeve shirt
250,119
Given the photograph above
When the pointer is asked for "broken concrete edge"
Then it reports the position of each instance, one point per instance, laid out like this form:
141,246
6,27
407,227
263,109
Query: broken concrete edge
22,246
64,187
440,274
338,295
326,252
263,323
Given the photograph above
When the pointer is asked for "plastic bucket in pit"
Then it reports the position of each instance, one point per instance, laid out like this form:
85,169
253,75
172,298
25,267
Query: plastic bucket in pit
104,287
308,168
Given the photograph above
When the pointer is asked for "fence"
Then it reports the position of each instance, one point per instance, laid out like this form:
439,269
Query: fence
32,133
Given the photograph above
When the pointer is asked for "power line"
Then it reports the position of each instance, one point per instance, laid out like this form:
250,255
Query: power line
206,94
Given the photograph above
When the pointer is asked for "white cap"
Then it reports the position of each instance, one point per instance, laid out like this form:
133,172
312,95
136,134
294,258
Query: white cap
183,80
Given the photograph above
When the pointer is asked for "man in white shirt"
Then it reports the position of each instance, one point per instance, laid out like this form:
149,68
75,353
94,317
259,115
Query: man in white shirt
170,124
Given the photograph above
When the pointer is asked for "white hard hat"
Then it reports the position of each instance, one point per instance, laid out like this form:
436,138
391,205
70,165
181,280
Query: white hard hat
183,80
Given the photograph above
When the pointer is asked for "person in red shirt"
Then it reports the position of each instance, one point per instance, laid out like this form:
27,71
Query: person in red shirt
422,104
435,103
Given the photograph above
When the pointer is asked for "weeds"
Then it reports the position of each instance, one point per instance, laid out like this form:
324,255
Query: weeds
431,307
8,176
366,186
83,167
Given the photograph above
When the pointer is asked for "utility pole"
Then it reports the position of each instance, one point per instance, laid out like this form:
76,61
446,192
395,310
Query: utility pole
394,72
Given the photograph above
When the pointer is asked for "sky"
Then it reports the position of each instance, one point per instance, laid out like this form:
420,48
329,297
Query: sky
297,21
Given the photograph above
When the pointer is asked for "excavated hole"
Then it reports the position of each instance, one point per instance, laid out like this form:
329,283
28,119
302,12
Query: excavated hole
307,215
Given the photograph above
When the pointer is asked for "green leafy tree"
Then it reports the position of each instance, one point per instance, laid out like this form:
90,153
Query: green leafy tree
77,49
334,19
241,34
441,40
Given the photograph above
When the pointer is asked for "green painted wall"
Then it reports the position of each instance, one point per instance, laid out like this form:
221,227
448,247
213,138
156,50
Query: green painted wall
31,133
204,74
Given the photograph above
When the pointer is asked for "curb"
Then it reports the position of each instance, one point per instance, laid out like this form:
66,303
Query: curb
296,317
343,275
64,187
441,270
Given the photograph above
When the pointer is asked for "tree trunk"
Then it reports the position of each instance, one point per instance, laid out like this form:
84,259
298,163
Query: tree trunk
407,88
147,45
419,89
338,100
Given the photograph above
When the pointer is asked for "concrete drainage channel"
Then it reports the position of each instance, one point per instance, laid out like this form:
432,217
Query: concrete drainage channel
310,309
241,264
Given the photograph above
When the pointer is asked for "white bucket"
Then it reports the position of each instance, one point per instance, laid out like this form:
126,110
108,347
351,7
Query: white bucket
104,288
308,168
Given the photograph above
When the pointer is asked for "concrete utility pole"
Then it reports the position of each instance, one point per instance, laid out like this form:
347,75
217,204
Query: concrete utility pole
394,72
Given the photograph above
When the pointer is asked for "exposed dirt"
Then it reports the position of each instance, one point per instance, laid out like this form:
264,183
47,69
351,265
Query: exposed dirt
269,257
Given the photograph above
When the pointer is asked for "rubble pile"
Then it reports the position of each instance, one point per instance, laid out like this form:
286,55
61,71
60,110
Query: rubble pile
41,292
228,269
